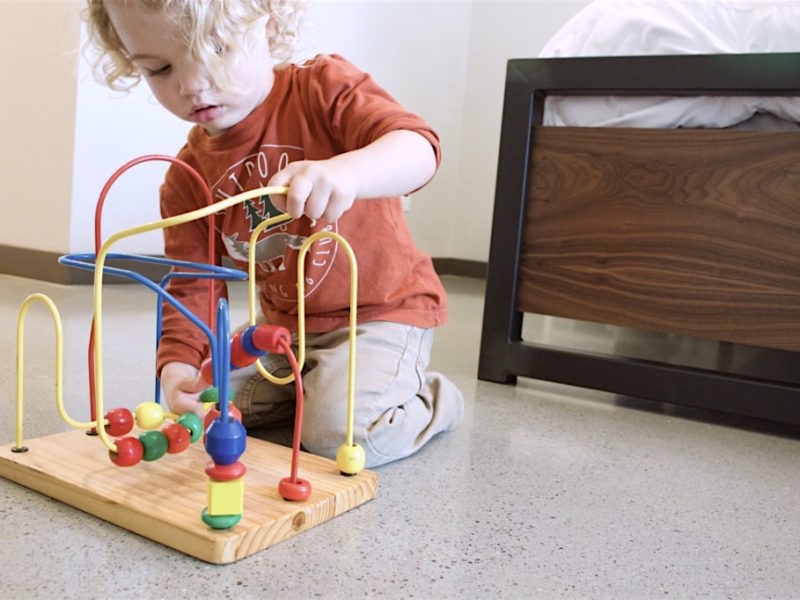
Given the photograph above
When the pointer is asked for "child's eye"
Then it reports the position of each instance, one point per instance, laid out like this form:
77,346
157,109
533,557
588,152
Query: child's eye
159,71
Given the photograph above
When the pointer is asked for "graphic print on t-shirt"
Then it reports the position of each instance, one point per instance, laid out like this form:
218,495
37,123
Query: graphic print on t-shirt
278,246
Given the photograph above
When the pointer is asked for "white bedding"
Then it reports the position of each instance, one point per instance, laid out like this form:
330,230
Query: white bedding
653,27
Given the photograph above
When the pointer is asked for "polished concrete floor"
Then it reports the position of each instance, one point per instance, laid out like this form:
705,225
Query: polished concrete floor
543,492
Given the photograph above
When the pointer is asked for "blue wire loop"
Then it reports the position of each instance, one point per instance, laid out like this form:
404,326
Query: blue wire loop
221,358
218,343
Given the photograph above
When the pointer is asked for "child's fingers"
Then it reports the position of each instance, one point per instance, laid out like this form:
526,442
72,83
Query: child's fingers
338,204
181,403
300,189
317,203
280,179
278,201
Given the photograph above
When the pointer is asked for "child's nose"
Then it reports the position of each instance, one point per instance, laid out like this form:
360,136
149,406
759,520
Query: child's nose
193,81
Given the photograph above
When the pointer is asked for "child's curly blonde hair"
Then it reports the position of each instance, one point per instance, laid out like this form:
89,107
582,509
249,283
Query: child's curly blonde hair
208,26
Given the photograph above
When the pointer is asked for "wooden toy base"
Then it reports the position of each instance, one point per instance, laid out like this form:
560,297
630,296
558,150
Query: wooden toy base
162,500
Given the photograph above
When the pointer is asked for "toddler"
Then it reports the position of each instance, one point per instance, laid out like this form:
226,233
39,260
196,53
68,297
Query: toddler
347,151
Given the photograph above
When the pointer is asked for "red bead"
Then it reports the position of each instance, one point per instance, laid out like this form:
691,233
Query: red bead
178,437
239,356
294,491
129,452
269,338
120,421
225,472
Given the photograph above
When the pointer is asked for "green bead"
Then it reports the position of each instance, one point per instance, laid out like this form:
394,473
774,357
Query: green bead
154,443
211,394
220,521
193,423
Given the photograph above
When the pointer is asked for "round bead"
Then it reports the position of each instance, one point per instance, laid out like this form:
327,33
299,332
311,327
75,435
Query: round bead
213,412
220,521
350,459
193,424
120,422
208,395
149,415
294,491
225,472
178,437
211,394
129,452
155,445
225,442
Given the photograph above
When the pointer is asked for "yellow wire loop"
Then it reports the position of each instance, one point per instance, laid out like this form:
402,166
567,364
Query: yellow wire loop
301,315
301,312
301,309
59,331
301,321
100,261
253,301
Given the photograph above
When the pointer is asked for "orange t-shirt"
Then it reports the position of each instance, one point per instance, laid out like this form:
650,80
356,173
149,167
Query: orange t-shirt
314,111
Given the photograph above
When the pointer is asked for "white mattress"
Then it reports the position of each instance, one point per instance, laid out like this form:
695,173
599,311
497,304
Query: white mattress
653,27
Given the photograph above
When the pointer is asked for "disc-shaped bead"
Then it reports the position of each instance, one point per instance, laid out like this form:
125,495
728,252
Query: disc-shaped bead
225,472
220,521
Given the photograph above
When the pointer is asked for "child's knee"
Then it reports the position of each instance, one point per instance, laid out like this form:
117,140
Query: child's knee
322,437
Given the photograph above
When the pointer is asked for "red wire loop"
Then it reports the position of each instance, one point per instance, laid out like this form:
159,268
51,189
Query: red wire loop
298,415
98,237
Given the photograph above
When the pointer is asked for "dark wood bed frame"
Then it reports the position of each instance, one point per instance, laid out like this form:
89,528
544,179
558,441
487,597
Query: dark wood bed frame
694,232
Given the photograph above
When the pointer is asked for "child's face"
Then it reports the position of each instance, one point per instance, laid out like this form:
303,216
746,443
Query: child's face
181,84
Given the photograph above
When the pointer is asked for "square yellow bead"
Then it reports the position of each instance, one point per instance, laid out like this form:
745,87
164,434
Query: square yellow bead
226,497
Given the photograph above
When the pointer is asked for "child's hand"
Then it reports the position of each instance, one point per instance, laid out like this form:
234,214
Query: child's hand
396,163
182,385
319,189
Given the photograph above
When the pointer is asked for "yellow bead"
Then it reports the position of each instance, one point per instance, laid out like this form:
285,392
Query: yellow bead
149,415
226,497
350,459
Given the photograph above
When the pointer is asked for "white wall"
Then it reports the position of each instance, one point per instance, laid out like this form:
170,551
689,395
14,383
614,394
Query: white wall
419,52
38,63
499,30
112,128
444,59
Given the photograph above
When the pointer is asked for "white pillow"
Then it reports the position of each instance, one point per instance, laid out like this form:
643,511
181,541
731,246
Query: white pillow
657,27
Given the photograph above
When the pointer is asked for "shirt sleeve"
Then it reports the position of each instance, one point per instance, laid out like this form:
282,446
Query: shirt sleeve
354,109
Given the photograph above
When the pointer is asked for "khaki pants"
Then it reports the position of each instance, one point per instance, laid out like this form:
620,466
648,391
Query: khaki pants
398,406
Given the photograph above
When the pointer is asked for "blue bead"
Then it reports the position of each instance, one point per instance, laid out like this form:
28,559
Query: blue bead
225,442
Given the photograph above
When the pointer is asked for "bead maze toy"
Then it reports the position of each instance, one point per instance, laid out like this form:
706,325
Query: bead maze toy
199,506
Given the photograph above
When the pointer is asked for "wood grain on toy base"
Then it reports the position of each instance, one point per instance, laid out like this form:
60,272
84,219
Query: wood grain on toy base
162,500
